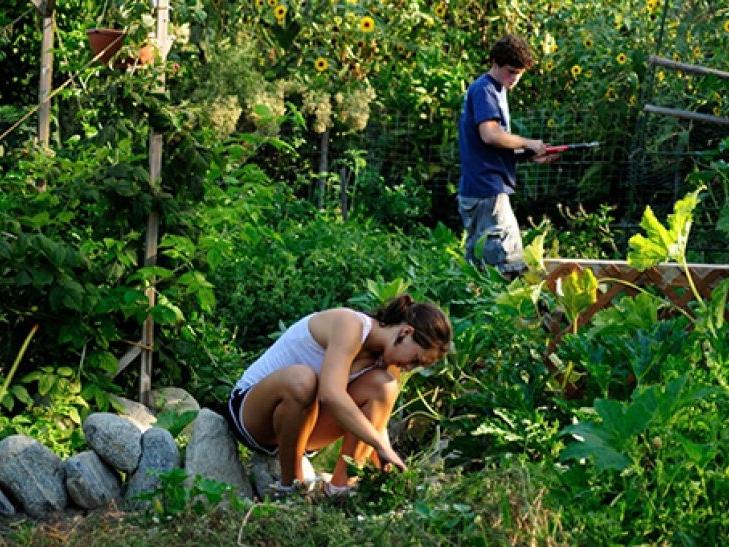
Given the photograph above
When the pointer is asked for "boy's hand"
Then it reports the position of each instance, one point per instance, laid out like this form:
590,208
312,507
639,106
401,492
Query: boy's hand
549,158
536,146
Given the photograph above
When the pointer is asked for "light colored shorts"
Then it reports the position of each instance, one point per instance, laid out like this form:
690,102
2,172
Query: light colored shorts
492,233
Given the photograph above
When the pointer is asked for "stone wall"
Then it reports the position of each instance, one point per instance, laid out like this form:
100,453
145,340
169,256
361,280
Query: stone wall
127,452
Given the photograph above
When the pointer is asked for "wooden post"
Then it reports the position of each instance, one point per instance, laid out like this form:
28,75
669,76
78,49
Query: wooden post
343,182
45,8
150,253
685,114
323,169
686,67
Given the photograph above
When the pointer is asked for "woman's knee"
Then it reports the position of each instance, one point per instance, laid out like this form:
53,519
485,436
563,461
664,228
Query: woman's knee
301,384
377,385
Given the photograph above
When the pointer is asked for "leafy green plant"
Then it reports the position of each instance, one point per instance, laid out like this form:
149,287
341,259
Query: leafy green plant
175,495
175,422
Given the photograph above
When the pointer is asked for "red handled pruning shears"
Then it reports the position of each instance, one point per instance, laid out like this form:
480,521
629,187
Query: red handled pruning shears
556,149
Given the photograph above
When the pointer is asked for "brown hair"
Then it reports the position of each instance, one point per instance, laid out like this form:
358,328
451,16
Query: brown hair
432,329
511,50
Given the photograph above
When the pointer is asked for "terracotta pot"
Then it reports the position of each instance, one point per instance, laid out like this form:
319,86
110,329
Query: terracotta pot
146,54
108,40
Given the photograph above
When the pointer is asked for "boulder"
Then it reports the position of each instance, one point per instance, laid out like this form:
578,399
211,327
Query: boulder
265,471
6,507
135,412
173,399
213,453
115,439
33,475
159,454
90,482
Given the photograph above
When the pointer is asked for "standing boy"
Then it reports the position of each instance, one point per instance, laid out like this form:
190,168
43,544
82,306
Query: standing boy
488,160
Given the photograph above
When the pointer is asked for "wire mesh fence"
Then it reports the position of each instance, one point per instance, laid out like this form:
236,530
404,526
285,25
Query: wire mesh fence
407,152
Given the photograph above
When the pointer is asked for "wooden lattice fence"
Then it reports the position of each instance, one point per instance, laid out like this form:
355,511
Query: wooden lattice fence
670,279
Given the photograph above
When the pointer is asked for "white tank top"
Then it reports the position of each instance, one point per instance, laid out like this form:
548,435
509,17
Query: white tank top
296,346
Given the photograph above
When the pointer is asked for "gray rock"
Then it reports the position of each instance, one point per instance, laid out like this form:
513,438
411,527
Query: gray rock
135,412
213,453
159,453
264,470
33,475
115,439
172,399
6,507
90,482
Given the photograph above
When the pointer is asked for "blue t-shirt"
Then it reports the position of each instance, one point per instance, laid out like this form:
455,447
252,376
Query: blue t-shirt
486,171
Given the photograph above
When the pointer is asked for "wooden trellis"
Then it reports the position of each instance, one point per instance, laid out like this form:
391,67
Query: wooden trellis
670,279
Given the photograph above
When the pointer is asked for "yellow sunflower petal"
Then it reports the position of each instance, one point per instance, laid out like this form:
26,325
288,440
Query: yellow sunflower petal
367,24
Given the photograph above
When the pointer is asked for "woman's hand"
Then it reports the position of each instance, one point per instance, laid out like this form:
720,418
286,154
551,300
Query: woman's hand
389,458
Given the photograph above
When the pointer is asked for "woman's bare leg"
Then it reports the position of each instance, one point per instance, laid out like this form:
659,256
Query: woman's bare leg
282,410
375,393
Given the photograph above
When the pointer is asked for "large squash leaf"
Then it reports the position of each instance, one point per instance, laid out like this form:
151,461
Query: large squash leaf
576,292
660,242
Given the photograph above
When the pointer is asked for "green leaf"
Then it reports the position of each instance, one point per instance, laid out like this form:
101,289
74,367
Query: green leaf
74,415
591,442
661,242
627,314
148,273
177,246
37,221
175,422
723,222
45,383
534,260
73,294
206,298
164,315
576,292
8,401
21,394
717,304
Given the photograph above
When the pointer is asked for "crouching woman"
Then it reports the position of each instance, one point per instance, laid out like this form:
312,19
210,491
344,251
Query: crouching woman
334,374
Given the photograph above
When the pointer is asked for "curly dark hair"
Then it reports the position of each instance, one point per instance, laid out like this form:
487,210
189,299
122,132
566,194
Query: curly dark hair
511,50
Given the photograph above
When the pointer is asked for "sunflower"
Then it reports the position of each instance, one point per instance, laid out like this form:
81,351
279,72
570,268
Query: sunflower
279,12
633,100
259,3
551,123
661,75
622,58
367,24
553,48
272,2
588,73
549,66
321,64
610,94
726,25
440,10
587,42
576,70
651,5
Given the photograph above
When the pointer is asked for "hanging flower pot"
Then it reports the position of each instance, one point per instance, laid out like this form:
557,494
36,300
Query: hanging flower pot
108,40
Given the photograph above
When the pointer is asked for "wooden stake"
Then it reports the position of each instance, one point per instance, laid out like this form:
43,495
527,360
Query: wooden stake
686,67
686,114
150,254
45,8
